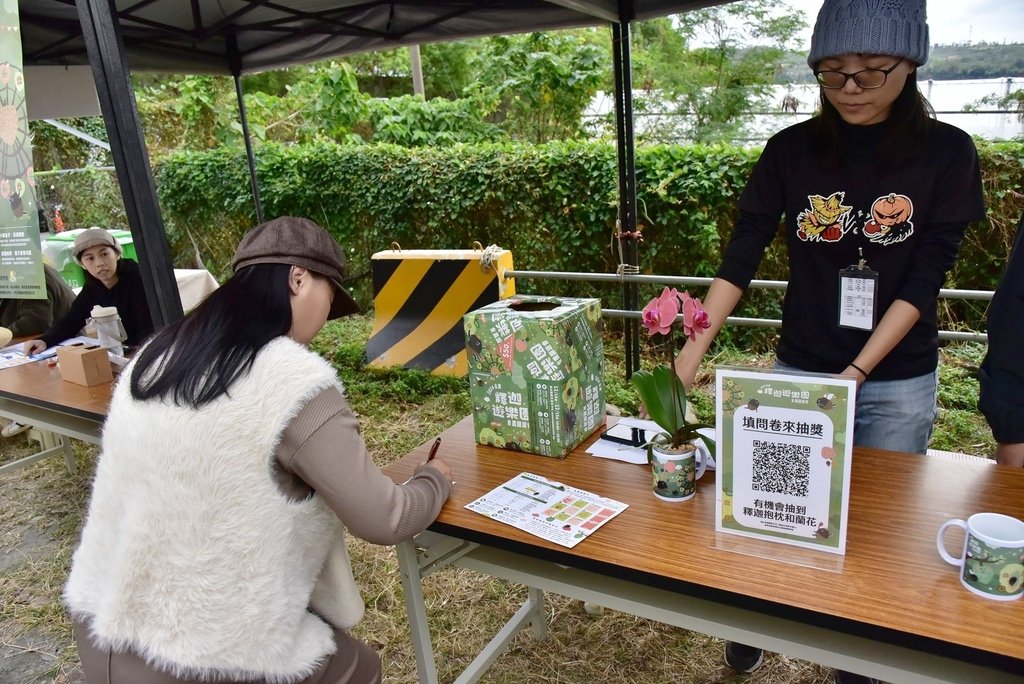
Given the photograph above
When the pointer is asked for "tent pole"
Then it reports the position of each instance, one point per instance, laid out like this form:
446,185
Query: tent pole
627,232
236,72
248,150
101,32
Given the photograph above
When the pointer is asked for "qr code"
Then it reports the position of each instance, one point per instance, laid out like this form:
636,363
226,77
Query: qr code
781,468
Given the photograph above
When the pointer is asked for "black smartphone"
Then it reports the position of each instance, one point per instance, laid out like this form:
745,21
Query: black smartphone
625,434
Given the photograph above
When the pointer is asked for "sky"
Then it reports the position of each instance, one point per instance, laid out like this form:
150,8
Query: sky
952,21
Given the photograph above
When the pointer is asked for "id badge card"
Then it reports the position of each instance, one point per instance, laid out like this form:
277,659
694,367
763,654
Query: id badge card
858,297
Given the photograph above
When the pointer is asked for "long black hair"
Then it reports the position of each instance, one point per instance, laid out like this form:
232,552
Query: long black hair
196,360
908,127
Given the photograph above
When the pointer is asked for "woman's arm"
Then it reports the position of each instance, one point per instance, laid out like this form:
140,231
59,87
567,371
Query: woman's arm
323,447
720,302
895,324
73,321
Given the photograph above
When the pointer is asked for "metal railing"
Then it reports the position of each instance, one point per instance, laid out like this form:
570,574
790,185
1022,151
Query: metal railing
614,278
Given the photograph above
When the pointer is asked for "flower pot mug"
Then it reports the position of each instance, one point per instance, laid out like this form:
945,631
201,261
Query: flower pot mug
992,560
675,472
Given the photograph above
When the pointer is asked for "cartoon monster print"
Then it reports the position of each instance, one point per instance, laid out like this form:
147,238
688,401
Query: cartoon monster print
1010,578
890,220
825,221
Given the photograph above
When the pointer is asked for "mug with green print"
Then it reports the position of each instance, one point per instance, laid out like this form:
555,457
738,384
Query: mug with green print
992,559
676,470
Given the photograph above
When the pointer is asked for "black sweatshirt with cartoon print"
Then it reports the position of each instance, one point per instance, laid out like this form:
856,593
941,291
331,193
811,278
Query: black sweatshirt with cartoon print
906,219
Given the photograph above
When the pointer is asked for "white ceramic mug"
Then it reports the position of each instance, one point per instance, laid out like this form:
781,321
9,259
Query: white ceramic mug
992,560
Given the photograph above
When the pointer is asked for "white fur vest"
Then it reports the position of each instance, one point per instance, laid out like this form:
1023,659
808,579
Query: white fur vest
191,555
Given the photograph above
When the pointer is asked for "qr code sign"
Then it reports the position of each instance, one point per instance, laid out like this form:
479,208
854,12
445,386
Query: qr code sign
781,468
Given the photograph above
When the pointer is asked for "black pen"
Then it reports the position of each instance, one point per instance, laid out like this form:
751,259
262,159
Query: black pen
433,449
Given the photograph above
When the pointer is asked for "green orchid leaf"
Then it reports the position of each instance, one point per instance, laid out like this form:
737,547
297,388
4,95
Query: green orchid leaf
655,390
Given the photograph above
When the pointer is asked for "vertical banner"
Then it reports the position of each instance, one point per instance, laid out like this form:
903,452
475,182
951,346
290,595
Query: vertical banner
21,261
785,443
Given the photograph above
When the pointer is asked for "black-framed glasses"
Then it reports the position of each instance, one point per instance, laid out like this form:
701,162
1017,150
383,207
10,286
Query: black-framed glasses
865,78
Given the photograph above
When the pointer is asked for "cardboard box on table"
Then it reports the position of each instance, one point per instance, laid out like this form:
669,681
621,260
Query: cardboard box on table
84,365
536,372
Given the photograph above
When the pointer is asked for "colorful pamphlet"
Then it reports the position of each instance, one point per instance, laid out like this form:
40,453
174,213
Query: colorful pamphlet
547,509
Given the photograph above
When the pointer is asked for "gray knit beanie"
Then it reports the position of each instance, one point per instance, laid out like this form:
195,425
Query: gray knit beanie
872,27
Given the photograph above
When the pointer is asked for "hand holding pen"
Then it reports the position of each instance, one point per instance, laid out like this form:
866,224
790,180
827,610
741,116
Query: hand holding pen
439,463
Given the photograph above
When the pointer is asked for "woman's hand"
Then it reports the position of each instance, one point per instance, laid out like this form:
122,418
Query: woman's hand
33,347
855,374
441,466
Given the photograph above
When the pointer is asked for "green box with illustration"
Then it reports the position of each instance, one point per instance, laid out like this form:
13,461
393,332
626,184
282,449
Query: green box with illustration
536,372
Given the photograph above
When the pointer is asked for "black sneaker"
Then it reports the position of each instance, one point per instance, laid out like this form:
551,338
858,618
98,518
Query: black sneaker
743,658
844,677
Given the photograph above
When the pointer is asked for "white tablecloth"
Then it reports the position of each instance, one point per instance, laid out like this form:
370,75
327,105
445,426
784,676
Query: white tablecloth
193,285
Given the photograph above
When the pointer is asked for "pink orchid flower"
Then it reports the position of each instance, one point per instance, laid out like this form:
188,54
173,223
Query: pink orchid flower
695,318
660,313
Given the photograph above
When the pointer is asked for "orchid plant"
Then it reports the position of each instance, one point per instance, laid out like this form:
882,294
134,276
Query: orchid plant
661,390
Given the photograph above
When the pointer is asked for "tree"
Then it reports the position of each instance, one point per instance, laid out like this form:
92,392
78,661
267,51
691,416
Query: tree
1012,101
541,82
712,88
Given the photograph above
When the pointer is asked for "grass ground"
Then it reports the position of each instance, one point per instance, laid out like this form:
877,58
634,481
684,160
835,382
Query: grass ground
42,507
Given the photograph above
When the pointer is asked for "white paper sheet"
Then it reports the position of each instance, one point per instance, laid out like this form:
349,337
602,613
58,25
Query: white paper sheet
604,448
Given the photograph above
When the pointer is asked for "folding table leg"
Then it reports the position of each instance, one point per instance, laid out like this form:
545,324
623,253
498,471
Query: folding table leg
69,454
417,612
538,619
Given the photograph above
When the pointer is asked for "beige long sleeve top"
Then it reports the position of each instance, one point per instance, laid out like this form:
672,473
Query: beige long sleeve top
322,451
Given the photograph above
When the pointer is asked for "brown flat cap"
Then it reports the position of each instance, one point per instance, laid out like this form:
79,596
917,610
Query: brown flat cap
298,242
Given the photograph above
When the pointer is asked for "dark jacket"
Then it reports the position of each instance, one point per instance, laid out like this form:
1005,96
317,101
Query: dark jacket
33,316
1002,372
129,296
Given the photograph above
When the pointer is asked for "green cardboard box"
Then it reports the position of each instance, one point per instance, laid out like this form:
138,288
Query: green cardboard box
536,372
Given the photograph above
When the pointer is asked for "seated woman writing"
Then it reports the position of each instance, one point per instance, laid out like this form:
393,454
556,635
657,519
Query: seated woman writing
214,545
109,281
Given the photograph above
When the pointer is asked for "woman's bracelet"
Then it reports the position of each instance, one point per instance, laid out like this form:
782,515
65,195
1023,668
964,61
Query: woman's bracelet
862,371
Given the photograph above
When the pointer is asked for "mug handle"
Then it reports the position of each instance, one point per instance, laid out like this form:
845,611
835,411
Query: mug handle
942,547
704,456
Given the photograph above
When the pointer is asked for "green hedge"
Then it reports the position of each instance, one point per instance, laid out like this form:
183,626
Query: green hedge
553,205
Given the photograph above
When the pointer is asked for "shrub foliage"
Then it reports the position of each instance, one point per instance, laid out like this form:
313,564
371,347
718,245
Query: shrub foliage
553,205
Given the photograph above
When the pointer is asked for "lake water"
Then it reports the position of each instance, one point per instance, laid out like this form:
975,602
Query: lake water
948,98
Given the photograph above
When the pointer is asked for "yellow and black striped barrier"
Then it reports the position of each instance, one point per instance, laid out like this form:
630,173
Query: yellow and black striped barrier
420,297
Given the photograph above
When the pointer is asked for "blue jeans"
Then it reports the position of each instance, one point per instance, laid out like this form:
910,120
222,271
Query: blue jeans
898,415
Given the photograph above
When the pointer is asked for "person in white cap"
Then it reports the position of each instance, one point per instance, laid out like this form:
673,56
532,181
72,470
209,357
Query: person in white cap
109,281
876,196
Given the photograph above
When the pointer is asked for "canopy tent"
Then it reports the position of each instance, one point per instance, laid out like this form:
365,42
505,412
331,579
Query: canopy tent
194,36
239,36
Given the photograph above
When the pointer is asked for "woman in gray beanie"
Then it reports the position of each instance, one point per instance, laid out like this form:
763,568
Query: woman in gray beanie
876,196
